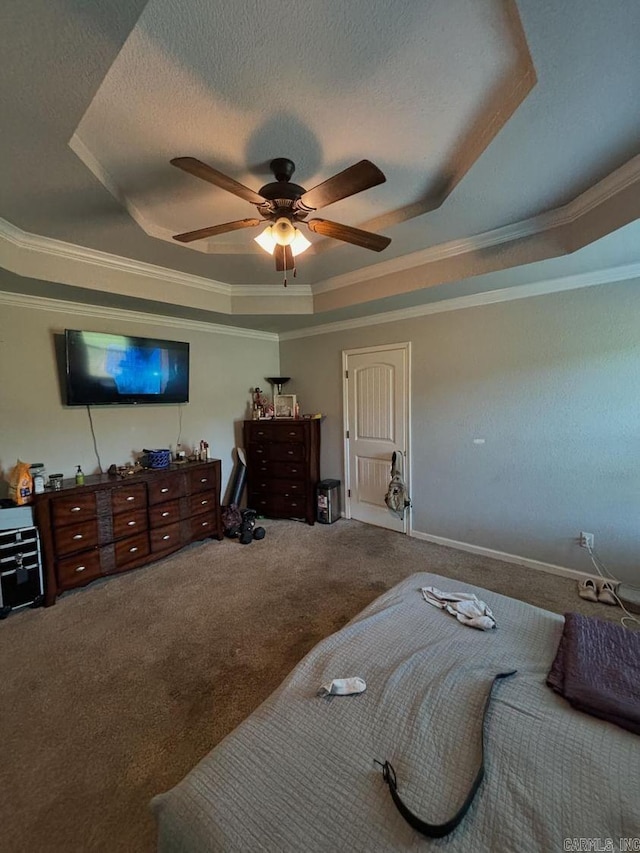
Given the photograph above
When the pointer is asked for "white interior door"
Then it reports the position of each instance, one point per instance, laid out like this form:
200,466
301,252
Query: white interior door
376,401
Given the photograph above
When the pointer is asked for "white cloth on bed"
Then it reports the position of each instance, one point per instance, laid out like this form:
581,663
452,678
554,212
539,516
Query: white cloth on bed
466,607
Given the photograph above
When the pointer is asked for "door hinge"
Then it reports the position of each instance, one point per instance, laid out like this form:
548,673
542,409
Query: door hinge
347,434
346,374
348,493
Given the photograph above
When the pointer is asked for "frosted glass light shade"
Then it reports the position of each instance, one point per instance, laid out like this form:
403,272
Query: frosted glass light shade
283,231
299,243
266,240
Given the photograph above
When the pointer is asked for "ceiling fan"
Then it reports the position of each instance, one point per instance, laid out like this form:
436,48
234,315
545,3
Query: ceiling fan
285,204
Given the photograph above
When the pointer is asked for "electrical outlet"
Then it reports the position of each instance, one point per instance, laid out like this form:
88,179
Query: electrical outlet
586,540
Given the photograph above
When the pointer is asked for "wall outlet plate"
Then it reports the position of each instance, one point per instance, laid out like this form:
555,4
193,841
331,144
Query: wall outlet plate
586,540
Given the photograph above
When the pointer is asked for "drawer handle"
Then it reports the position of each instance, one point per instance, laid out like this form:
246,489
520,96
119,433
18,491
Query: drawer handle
262,485
290,452
203,503
259,451
294,470
293,503
80,568
204,524
292,433
165,513
167,536
131,498
164,491
75,509
131,524
78,536
204,479
260,432
133,550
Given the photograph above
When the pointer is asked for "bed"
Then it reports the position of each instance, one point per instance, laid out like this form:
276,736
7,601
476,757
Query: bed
300,774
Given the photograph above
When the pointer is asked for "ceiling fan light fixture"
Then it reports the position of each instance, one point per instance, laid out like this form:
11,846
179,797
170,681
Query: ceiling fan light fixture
266,240
299,243
283,231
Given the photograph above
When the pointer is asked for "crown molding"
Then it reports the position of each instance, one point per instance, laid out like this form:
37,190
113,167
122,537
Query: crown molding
609,187
490,297
221,294
42,303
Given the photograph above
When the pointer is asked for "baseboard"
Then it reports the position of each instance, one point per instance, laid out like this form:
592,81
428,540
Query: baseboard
539,566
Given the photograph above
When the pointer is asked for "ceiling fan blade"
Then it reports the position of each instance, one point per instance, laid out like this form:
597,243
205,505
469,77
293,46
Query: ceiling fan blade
361,176
208,173
347,234
214,230
284,258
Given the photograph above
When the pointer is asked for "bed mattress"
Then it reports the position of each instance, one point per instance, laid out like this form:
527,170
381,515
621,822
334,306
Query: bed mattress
300,774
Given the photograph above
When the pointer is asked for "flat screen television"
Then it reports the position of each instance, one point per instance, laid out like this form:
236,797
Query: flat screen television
102,369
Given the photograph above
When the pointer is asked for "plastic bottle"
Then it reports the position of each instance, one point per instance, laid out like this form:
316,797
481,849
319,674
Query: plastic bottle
79,477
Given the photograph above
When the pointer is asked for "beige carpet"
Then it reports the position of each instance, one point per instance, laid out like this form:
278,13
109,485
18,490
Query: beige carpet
115,693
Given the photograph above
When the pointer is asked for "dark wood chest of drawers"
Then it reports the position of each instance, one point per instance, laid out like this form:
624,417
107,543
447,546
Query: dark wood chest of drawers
283,467
109,526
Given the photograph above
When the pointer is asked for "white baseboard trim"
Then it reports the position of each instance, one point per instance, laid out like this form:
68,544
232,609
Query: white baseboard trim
539,566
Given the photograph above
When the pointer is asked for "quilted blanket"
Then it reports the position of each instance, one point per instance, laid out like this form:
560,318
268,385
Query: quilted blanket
300,774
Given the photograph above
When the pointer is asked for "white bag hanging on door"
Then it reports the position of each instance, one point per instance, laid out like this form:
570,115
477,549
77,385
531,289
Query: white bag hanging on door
397,497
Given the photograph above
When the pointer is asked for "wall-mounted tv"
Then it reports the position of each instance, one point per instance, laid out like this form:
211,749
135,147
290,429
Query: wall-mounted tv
102,369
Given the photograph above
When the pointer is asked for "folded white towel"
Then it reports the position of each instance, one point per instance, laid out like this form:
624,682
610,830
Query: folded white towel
466,607
343,687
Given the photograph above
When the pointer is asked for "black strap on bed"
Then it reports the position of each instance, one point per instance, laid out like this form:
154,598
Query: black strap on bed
439,830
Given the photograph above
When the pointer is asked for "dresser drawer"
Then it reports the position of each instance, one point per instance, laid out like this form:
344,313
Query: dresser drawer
278,470
274,431
162,514
202,502
127,523
132,548
203,525
78,570
279,505
164,489
202,479
287,452
290,488
76,537
165,537
73,509
128,498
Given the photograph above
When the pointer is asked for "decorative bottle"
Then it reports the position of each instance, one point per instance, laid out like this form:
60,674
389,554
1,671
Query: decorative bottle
79,477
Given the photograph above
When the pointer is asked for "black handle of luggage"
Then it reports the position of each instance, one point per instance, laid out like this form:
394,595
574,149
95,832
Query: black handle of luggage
439,830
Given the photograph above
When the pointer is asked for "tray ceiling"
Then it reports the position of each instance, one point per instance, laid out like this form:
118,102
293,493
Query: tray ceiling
484,115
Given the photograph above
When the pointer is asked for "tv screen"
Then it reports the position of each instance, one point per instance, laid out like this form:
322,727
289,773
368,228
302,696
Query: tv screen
103,369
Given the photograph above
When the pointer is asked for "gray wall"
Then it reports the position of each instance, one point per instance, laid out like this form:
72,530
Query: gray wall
552,384
35,426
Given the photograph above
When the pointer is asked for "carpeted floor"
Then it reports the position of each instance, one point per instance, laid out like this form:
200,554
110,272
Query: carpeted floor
116,692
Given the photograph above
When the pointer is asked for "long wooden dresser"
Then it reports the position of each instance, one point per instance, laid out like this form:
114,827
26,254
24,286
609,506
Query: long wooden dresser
283,467
111,525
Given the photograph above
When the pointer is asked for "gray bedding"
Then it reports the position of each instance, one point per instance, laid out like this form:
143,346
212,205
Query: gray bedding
299,773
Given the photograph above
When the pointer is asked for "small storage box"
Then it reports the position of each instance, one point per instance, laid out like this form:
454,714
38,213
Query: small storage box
20,570
328,501
157,458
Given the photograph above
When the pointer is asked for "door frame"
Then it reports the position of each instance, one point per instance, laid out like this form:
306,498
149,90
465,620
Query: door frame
406,472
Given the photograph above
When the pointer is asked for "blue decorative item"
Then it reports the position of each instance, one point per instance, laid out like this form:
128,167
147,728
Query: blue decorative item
158,458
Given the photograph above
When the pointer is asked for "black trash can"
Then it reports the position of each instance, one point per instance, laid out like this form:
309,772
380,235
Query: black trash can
328,501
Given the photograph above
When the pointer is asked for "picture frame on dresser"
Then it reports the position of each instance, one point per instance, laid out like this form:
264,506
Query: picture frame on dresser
284,405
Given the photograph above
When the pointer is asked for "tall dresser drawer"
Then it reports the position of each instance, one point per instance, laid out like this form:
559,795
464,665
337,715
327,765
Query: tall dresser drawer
284,431
285,470
287,452
76,537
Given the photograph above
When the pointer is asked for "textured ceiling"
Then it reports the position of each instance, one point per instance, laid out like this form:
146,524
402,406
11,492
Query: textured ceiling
481,113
